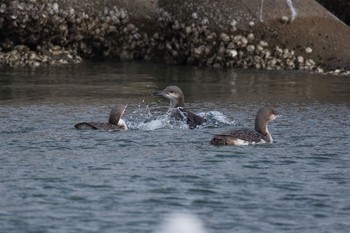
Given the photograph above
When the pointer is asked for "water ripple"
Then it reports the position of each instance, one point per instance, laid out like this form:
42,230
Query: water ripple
54,178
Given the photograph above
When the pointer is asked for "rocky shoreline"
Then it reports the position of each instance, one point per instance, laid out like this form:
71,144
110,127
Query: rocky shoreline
35,33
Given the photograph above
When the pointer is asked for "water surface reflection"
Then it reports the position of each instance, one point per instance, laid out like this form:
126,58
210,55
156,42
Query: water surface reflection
135,81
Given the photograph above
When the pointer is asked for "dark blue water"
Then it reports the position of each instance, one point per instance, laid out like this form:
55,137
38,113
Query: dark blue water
54,178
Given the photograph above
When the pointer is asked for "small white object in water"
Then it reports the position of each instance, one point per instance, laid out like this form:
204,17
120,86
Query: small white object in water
251,23
181,223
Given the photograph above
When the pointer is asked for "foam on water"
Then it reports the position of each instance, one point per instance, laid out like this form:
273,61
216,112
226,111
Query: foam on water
163,121
181,223
151,125
216,117
150,122
143,119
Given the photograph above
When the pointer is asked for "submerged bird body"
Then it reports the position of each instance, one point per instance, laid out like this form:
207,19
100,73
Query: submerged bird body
191,119
176,108
261,133
101,126
115,123
239,137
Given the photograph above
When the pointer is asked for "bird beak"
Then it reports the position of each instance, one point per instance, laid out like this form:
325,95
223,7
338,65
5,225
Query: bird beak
158,93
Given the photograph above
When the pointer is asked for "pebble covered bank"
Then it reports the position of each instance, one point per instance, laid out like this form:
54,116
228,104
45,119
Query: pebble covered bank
41,33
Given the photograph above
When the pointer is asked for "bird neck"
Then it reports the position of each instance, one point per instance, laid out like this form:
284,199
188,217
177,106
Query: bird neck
177,103
261,127
112,120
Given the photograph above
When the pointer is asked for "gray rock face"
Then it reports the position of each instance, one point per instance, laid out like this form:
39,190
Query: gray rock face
293,24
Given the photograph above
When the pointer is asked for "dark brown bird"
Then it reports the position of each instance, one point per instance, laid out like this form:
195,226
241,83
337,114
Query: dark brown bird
176,108
247,136
115,123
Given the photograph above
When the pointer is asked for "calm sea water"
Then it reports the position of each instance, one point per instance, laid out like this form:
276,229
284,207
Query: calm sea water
54,178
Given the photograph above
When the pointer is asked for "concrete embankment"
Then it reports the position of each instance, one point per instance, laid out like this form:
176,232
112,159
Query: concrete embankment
263,34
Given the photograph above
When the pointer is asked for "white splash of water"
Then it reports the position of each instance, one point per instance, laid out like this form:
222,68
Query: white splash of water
151,125
217,117
181,223
143,119
163,121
